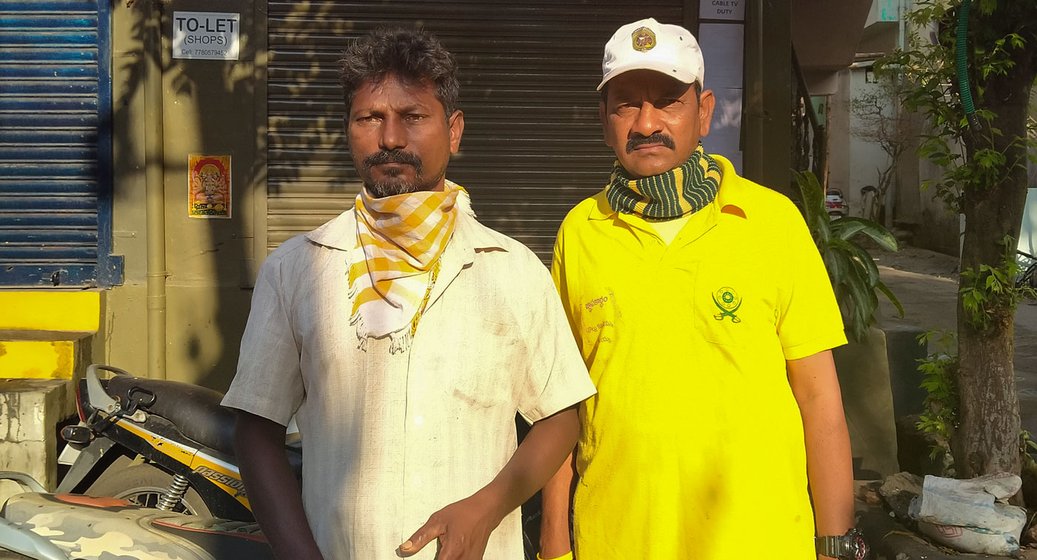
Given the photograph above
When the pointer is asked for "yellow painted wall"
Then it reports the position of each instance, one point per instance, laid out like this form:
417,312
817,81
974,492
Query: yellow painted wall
27,312
40,331
37,359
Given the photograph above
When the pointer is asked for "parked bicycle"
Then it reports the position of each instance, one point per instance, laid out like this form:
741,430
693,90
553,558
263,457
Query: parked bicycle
1028,265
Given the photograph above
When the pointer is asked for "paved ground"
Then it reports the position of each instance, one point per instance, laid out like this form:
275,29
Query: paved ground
926,284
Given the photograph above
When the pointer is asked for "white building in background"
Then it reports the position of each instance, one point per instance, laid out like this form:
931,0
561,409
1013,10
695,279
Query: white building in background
855,161
1028,231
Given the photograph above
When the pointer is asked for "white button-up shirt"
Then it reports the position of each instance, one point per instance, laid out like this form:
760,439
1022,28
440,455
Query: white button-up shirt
391,439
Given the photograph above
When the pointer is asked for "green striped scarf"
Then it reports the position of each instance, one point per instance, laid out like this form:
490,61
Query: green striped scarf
657,197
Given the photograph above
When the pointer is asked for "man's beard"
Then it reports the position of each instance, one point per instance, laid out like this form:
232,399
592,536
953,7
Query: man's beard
396,183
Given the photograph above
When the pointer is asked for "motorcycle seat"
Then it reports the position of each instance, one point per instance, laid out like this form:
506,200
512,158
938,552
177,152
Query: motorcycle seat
194,410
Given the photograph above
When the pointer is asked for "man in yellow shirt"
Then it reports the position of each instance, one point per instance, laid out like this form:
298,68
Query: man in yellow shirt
704,313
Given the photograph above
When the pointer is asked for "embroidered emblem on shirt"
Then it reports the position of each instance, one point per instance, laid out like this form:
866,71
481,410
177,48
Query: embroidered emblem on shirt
727,301
596,302
597,324
643,39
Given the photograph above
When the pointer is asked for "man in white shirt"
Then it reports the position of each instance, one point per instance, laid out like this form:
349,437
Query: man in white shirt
404,336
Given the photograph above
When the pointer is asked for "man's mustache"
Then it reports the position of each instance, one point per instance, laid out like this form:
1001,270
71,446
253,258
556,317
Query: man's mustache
657,138
392,156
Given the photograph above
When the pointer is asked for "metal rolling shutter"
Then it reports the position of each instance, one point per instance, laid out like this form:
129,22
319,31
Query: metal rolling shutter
532,144
55,202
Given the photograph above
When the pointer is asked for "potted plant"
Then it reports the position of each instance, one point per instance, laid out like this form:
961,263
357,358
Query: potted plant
854,275
863,365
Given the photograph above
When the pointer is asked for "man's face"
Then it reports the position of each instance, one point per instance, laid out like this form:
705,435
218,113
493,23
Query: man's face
652,121
400,137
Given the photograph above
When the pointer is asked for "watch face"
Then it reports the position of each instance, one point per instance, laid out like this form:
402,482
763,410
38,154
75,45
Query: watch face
858,548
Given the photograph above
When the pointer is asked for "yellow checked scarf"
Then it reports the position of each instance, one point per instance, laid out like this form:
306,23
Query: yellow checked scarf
400,239
681,190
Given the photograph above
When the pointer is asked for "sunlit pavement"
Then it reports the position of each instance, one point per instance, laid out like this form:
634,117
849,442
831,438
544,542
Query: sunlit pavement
926,284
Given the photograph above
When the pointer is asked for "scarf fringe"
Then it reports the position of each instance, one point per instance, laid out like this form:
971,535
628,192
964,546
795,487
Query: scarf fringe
362,332
399,341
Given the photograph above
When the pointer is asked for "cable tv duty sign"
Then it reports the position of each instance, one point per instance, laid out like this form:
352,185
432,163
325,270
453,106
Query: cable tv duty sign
206,35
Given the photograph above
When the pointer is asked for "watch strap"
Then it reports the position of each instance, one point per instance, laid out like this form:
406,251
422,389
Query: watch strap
830,546
850,546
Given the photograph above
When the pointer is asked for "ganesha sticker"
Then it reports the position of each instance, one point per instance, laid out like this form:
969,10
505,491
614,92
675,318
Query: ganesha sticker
208,186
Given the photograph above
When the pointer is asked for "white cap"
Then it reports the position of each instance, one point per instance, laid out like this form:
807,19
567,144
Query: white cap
650,45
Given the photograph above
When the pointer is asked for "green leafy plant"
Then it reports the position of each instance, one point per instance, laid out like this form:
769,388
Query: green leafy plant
852,271
991,293
1028,448
939,416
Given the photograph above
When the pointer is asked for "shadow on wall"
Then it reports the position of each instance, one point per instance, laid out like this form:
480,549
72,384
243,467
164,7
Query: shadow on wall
532,146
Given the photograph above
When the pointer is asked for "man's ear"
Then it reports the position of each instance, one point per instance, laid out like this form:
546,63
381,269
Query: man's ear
456,124
707,102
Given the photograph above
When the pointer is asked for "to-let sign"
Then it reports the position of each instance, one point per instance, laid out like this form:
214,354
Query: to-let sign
206,35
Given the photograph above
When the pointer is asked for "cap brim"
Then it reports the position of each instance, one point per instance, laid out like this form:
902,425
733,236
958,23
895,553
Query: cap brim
682,76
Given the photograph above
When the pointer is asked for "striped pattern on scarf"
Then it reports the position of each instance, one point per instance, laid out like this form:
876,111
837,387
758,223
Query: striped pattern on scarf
399,241
682,190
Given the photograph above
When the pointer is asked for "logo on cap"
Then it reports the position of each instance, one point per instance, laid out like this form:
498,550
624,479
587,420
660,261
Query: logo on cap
643,39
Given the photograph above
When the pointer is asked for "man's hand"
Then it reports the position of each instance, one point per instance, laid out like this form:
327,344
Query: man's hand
462,529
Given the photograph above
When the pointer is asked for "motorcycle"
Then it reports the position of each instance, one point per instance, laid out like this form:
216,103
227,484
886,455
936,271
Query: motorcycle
151,474
160,453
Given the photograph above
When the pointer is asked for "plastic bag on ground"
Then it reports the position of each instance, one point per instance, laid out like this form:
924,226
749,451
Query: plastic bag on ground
969,515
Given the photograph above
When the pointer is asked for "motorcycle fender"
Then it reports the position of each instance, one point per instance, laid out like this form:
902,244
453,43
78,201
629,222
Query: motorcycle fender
69,454
87,460
104,528
17,538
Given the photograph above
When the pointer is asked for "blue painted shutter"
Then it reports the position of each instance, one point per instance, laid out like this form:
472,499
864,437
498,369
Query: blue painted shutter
55,145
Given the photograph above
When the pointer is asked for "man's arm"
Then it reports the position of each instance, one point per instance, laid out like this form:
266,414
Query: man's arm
463,528
829,465
272,489
554,521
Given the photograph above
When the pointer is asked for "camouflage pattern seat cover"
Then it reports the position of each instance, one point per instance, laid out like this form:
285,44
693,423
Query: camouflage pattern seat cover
88,528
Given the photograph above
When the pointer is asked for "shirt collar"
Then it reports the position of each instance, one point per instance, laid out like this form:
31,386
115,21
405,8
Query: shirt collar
731,194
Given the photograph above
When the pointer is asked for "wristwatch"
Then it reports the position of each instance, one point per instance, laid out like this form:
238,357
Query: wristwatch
850,546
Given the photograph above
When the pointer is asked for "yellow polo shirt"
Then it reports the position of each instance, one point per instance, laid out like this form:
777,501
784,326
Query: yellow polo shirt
693,446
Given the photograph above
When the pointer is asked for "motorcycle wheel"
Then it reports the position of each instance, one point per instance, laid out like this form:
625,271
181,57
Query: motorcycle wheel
143,484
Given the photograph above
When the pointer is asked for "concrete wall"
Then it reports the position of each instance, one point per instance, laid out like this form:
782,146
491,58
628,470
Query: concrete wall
839,134
867,158
937,229
208,107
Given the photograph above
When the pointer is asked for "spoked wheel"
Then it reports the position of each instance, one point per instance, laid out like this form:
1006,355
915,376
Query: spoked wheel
144,485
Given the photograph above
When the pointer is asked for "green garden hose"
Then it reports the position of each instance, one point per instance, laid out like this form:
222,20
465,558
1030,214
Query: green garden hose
961,60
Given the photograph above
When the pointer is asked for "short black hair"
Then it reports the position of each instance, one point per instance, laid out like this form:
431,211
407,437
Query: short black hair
414,56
